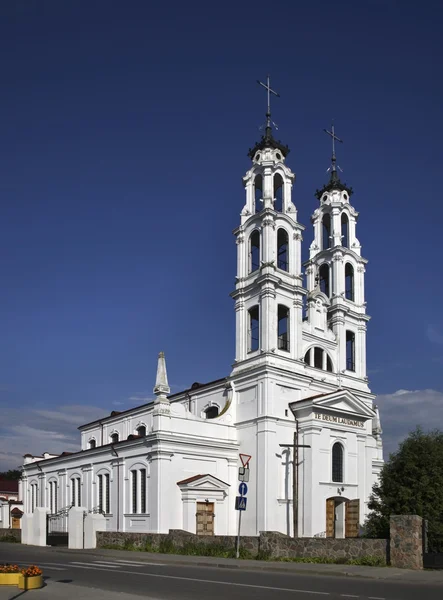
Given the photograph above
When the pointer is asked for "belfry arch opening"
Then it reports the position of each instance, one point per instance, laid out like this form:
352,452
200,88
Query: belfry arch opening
326,231
345,230
349,281
324,277
258,193
278,192
254,329
350,351
254,251
283,249
283,327
319,359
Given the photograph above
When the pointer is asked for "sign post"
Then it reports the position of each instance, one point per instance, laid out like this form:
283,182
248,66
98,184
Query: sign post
241,501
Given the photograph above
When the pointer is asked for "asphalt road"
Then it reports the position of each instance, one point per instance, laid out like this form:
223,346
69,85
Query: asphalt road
171,582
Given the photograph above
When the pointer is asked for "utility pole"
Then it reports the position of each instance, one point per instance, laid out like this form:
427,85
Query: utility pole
295,446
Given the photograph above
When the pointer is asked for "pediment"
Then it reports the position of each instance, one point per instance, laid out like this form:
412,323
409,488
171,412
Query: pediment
341,402
203,482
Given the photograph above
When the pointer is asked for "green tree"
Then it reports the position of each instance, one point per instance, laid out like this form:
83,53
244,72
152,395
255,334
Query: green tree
12,474
411,483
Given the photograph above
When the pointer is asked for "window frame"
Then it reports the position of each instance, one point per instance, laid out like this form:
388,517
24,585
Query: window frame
337,469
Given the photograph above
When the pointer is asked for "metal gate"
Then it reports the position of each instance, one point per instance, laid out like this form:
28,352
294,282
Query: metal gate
432,549
57,528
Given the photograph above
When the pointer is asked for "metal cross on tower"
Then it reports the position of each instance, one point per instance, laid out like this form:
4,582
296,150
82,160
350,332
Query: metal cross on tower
333,166
270,91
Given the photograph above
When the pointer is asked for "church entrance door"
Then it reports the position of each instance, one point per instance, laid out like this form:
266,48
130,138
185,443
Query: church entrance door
342,517
205,518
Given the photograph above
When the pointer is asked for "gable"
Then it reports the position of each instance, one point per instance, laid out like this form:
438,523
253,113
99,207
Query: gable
208,482
341,402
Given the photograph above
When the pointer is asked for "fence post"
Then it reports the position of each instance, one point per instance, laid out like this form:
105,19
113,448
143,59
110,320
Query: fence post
406,543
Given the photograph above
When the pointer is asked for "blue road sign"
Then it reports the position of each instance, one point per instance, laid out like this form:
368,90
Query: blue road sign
243,489
240,503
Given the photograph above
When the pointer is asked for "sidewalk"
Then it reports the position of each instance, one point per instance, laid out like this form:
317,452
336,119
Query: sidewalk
383,573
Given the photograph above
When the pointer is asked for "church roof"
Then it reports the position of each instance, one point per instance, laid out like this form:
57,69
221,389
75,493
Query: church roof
334,184
196,385
268,141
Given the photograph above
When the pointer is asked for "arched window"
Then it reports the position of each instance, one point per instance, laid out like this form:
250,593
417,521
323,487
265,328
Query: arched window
283,327
141,430
326,227
337,463
92,444
350,351
254,329
308,357
254,251
318,358
328,364
211,412
344,230
282,249
324,279
258,193
114,438
278,193
349,281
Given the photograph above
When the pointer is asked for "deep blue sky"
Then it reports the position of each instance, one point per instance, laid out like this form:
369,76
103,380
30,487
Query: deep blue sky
124,129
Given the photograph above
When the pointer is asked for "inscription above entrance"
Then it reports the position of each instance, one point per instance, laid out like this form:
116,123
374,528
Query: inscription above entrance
339,420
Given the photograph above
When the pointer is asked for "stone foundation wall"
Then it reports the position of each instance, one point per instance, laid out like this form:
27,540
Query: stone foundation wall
269,544
17,533
278,545
176,537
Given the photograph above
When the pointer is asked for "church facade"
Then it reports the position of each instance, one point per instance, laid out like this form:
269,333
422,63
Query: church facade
297,399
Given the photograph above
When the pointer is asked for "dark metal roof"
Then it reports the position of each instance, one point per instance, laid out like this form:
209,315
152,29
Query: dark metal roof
268,141
196,385
334,184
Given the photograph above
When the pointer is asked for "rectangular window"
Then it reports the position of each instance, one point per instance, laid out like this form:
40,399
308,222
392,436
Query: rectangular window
72,492
134,491
55,496
51,506
79,492
108,495
142,491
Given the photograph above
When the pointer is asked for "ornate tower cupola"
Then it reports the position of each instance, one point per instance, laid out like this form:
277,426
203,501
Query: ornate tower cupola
336,266
269,289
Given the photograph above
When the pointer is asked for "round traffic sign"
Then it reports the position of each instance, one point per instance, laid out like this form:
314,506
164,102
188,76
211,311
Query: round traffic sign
243,489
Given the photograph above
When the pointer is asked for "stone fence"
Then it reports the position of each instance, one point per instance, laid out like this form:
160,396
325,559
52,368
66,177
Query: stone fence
268,544
16,533
404,549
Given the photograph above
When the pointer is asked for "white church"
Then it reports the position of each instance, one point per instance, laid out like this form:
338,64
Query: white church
297,399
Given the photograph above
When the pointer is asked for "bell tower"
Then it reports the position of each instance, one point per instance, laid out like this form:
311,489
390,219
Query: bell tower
268,293
336,268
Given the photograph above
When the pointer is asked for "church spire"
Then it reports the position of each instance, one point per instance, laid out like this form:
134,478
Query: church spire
267,140
333,167
334,180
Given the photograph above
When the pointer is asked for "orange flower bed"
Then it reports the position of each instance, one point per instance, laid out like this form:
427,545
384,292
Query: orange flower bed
31,571
9,569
